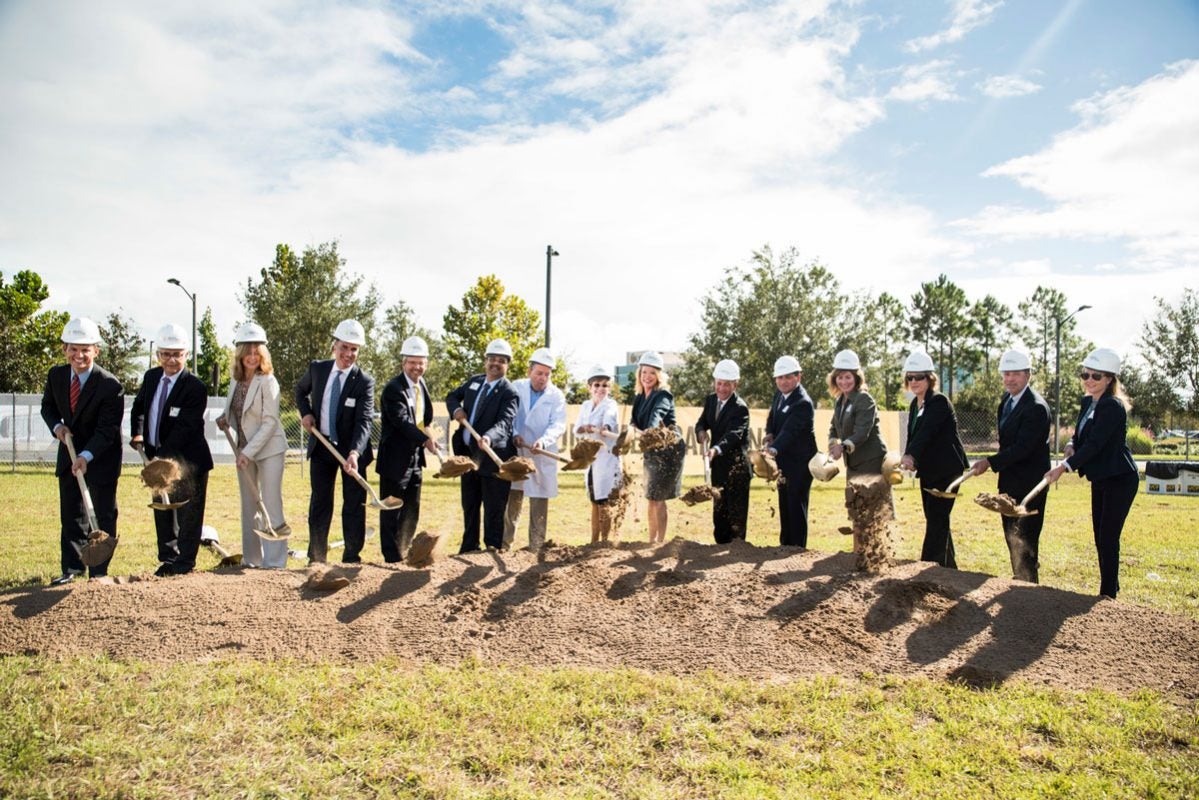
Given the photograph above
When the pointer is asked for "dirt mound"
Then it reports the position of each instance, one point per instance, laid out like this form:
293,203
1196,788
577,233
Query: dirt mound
680,607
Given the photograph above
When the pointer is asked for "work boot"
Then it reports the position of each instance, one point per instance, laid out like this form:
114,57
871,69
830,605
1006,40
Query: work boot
63,579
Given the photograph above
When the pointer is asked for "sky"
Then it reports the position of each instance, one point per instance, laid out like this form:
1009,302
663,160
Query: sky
655,144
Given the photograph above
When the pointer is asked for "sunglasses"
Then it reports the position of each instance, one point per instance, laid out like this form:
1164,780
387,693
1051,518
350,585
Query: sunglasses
1091,376
911,378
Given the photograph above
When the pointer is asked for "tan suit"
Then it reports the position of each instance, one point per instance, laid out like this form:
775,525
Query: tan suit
265,446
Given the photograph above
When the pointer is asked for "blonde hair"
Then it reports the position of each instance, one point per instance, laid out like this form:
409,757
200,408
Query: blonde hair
663,381
859,381
241,351
1116,390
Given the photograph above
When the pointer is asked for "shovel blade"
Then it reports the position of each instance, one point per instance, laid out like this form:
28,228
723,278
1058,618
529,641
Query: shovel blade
167,506
941,493
274,535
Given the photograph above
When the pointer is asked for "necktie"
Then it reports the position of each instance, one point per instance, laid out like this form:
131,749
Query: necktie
74,392
163,392
480,399
418,406
1007,409
334,397
720,407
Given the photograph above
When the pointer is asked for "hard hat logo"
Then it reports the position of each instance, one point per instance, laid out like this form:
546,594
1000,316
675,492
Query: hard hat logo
250,333
846,359
1104,360
171,337
727,370
651,358
81,330
919,362
351,332
542,356
1014,361
499,347
414,347
786,365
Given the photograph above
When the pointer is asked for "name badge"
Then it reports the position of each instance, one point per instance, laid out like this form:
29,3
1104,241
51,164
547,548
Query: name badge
351,402
174,412
475,386
784,409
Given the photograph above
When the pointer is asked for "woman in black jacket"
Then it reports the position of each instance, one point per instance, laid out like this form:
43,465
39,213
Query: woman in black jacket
1099,451
653,406
935,451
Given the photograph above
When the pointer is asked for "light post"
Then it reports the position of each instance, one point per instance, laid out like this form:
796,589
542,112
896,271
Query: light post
550,252
1057,372
195,360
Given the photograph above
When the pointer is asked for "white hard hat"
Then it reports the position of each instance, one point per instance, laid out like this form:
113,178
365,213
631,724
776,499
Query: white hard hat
598,371
499,347
919,361
81,330
171,337
350,331
250,332
415,346
1014,361
727,370
1104,360
786,365
846,359
542,356
651,358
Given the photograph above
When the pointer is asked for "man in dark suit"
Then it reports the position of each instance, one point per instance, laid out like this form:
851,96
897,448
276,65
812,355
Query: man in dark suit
725,423
337,398
489,403
407,413
167,420
791,439
84,401
1023,458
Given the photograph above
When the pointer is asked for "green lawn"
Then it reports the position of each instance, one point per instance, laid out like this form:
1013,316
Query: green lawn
96,728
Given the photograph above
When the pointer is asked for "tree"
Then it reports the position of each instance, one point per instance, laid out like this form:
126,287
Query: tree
213,358
30,340
768,308
989,323
939,321
300,300
1038,329
122,350
1170,345
877,335
487,313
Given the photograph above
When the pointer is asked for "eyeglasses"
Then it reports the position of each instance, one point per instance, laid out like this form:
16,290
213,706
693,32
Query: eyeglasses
911,378
1091,376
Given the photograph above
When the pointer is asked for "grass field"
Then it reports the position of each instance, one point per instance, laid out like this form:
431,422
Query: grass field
98,728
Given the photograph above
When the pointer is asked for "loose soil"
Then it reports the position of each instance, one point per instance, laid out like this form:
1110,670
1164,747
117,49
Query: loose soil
680,607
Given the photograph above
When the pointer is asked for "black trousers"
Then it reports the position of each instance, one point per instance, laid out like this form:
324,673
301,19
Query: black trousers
1023,534
1111,498
73,518
938,539
492,493
178,531
323,470
793,510
731,512
396,528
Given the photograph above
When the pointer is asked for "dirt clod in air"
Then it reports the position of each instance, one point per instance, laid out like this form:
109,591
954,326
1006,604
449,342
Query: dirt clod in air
868,500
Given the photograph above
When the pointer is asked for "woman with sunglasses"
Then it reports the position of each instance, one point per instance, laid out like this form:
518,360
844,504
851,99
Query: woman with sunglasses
1099,451
934,451
598,415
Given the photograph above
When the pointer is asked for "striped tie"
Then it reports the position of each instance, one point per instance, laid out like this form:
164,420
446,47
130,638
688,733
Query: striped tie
75,389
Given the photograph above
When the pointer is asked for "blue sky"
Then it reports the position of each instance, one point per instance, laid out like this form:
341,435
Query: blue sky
1007,143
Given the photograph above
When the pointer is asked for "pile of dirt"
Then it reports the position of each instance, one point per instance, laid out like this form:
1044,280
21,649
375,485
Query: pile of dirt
868,499
658,438
455,466
586,450
681,607
517,468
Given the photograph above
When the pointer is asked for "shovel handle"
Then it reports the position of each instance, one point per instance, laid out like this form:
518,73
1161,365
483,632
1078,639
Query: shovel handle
540,452
486,448
707,468
83,490
1036,490
962,479
249,484
340,459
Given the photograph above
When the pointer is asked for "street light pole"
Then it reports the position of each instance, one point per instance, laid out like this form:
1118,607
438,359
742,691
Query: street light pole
1057,372
550,252
195,356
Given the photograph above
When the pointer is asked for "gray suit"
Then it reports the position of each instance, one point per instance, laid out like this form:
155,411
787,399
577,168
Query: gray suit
855,421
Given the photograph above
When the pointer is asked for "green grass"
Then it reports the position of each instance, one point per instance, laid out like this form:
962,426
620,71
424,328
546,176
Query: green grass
91,727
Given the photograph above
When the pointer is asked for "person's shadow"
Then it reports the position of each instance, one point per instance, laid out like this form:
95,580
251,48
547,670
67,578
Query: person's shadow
393,587
29,602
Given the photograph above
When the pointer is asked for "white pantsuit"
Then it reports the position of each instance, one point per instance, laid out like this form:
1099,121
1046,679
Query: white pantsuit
265,448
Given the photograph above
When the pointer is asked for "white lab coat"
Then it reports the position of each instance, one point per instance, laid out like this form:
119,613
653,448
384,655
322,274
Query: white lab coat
542,425
606,469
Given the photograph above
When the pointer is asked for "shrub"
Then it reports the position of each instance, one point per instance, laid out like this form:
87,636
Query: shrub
1139,442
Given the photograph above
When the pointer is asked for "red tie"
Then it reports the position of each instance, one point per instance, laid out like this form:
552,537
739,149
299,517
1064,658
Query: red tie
74,392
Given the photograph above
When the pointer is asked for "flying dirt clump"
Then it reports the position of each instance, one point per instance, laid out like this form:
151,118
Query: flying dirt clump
658,438
161,474
868,499
701,494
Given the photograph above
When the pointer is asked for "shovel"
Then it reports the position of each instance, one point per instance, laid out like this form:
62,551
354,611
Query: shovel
948,491
702,494
1003,504
165,504
211,539
386,504
514,469
100,545
270,534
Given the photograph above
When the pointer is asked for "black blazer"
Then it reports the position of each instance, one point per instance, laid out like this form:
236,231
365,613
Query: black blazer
354,415
494,420
935,444
729,432
180,432
1023,457
792,424
1100,448
95,425
401,445
653,410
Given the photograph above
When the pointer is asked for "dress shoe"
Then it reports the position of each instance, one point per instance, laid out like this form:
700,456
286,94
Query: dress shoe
63,579
164,571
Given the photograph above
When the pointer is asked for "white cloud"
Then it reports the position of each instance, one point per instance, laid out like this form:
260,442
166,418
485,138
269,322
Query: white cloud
967,15
920,83
1129,171
1008,86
